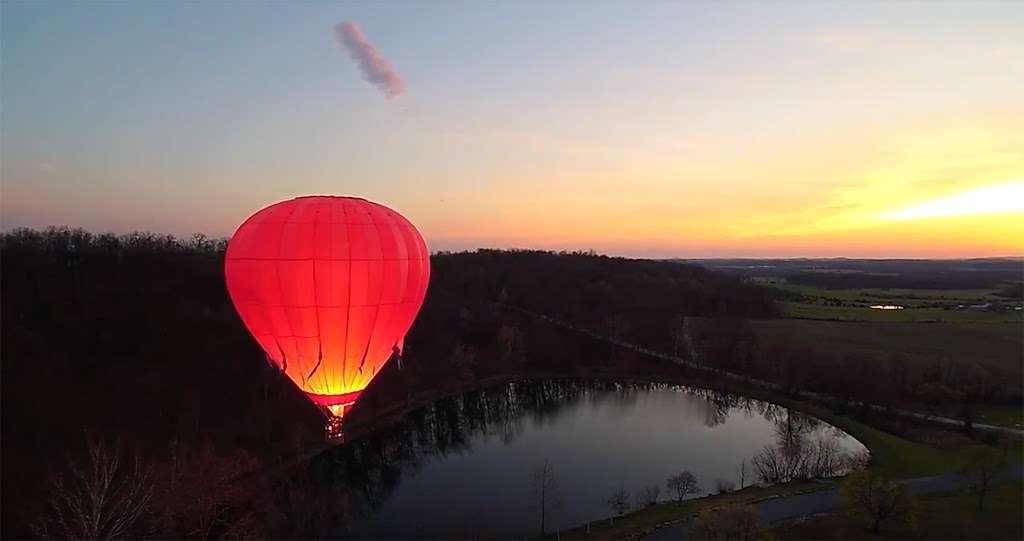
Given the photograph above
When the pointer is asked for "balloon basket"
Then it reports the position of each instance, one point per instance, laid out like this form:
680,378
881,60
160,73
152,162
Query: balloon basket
332,430
335,413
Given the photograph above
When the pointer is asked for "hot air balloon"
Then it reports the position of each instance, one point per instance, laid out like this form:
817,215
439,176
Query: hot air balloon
328,286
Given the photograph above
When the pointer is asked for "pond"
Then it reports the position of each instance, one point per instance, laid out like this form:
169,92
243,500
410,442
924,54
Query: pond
466,465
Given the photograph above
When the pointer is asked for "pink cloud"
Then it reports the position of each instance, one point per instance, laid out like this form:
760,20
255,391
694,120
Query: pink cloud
375,68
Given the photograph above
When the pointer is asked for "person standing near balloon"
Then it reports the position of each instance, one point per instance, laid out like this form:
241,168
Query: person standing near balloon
328,286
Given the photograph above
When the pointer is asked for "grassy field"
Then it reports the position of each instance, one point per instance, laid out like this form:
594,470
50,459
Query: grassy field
949,516
995,346
910,314
904,296
919,304
1012,416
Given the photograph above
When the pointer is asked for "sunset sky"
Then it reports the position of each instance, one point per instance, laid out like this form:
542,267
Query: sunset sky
653,129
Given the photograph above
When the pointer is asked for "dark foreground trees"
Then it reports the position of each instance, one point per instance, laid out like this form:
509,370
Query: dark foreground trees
683,484
106,496
648,496
877,500
618,502
193,494
731,522
796,458
981,474
546,497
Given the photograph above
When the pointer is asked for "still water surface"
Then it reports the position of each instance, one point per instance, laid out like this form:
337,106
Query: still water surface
463,467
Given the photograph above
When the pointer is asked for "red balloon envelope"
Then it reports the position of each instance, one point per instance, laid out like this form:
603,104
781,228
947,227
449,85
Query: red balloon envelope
328,286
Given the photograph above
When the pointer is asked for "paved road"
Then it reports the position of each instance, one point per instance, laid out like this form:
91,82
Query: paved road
790,507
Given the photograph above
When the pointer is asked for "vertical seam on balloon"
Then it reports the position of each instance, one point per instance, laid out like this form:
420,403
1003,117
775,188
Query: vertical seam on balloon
399,237
348,302
316,311
329,376
380,297
403,235
284,358
280,287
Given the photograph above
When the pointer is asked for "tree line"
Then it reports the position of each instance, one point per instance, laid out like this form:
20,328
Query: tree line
133,338
130,343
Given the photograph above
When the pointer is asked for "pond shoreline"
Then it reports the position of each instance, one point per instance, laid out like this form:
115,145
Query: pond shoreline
494,436
382,419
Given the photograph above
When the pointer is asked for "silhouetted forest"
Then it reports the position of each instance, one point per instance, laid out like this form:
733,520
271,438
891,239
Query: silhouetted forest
133,337
129,344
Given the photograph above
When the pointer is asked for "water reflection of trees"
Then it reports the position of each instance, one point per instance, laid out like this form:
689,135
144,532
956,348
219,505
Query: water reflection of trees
354,479
804,448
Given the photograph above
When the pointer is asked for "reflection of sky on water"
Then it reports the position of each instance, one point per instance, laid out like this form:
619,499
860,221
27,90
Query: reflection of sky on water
631,437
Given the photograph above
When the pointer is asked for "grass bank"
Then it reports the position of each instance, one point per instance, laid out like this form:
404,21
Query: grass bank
946,516
649,518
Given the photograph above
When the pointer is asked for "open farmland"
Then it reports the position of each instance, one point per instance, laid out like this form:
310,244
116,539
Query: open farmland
995,346
909,314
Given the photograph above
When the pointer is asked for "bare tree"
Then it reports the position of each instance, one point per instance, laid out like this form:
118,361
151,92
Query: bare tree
858,461
682,485
741,473
102,499
510,339
618,501
724,486
618,326
733,522
824,458
205,495
677,330
775,465
877,499
545,491
981,474
463,358
798,459
648,496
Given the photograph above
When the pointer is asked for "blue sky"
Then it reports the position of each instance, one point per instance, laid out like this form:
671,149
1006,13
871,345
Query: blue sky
521,120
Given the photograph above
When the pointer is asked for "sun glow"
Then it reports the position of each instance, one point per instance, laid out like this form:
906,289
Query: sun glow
997,199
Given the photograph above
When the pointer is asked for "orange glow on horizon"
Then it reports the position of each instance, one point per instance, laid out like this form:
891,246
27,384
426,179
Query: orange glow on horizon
885,190
944,187
997,199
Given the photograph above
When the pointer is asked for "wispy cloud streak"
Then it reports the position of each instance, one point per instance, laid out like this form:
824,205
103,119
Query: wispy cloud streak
375,68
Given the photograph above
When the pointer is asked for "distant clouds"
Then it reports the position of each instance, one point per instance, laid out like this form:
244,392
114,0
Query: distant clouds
375,68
